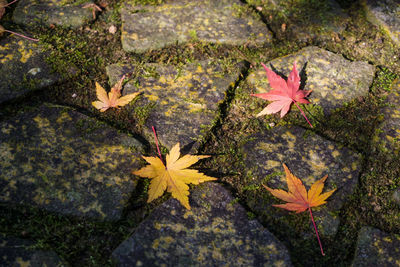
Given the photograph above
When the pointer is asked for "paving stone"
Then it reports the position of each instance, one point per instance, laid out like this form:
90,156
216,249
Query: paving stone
304,20
309,157
63,13
333,79
385,14
215,232
23,68
154,27
377,248
61,160
388,134
16,252
185,98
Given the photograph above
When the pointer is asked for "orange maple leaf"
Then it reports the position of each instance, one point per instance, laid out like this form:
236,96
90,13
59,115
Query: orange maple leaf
299,199
174,176
113,99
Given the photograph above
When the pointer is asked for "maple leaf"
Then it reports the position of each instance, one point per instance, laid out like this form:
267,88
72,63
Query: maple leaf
3,4
173,177
113,99
284,93
94,8
299,199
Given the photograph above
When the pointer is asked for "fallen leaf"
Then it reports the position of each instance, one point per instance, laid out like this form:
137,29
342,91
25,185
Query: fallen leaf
173,177
94,8
299,199
3,4
113,99
2,30
103,3
284,94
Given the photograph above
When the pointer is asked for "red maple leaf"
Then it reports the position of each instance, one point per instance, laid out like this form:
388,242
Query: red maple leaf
284,93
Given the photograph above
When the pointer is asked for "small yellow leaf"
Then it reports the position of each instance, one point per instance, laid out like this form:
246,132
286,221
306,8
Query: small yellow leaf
113,99
174,177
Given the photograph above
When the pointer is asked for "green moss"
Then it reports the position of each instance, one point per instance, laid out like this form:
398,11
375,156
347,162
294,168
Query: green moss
72,2
251,187
146,2
88,126
69,237
141,113
251,215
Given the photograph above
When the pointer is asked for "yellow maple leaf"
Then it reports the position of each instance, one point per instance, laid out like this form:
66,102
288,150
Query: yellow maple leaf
174,177
113,99
298,199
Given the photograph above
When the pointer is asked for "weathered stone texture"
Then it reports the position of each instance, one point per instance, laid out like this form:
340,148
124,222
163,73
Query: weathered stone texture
16,252
185,98
377,248
388,134
215,232
23,68
309,157
56,158
62,13
386,14
154,27
333,79
304,21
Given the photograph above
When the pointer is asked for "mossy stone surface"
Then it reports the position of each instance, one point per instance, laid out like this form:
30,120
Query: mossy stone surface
63,161
154,27
52,12
215,232
16,252
304,20
387,136
377,248
309,157
23,68
333,79
385,14
185,99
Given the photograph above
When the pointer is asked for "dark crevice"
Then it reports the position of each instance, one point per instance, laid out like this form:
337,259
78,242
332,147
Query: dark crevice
223,108
263,19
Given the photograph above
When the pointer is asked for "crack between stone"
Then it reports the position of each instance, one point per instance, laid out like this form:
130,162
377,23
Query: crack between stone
224,107
262,17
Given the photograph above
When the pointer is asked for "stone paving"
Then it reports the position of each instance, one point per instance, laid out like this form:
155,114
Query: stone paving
61,157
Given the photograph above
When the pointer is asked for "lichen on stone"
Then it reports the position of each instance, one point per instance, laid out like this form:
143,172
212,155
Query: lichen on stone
309,157
214,233
184,99
50,12
54,159
333,79
154,27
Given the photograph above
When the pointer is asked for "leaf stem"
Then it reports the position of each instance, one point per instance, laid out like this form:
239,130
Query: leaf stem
316,231
158,149
21,35
302,113
9,3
